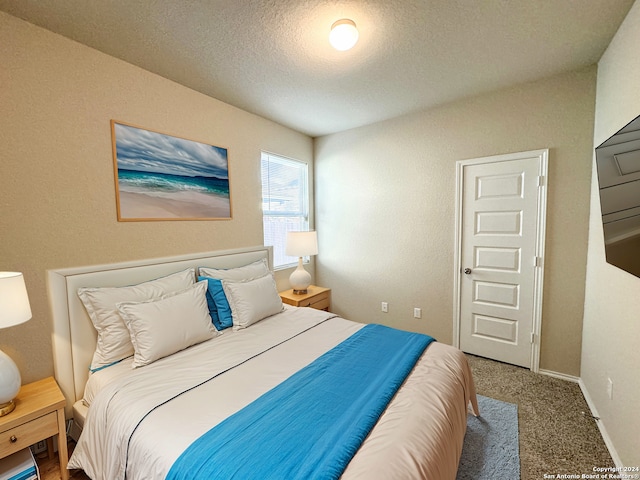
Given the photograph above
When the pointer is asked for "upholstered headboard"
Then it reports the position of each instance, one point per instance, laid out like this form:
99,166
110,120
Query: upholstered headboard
74,338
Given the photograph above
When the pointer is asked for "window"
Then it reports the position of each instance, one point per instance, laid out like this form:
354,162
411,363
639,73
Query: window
285,203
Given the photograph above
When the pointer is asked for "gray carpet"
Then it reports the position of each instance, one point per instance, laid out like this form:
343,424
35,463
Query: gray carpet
490,448
556,431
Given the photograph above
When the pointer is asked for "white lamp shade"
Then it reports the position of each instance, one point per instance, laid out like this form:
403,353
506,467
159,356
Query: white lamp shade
14,301
301,244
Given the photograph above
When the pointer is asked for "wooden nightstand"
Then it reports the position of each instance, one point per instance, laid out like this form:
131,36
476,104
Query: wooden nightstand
316,297
39,415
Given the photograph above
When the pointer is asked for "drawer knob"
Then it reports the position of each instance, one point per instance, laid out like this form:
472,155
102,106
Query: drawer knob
13,439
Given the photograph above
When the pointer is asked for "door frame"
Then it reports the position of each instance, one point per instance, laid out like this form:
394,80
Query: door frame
541,224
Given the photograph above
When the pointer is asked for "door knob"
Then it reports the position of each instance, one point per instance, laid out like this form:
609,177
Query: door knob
467,271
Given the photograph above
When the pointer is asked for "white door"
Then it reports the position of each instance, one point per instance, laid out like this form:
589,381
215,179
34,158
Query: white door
500,213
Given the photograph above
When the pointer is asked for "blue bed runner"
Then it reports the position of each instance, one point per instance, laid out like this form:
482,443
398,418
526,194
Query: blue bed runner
312,424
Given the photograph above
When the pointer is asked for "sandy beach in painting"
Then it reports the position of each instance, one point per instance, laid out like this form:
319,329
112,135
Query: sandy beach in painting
164,177
185,205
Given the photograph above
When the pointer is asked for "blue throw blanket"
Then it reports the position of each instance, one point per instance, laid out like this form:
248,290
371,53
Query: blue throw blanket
312,424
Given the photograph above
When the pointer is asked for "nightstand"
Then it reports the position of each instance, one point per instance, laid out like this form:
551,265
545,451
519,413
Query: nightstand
316,297
39,415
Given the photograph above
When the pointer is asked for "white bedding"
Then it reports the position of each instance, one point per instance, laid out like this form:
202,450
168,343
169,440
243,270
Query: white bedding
419,435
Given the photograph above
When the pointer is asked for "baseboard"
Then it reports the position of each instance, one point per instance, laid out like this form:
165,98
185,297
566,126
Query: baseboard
561,376
601,427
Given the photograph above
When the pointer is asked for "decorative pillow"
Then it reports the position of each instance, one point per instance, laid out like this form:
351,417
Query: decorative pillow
114,341
252,300
239,274
168,324
219,308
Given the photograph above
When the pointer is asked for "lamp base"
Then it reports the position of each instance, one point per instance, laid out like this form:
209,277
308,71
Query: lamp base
7,408
9,383
300,279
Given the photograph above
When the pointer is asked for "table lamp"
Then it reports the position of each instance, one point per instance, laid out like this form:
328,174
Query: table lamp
301,244
14,310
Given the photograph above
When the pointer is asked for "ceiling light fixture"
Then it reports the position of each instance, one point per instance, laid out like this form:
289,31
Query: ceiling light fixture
344,34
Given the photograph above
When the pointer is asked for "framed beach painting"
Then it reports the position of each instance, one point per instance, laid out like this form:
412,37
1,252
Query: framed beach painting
162,177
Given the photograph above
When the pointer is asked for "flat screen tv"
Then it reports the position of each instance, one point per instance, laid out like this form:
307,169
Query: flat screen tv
618,162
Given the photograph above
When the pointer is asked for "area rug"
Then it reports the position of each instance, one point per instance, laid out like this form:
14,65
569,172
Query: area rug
490,447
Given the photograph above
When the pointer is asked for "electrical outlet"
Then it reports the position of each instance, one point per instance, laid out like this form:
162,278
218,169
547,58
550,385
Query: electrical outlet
385,307
610,388
417,313
39,447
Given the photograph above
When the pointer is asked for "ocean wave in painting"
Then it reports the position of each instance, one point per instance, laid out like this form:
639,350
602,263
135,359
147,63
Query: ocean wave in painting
162,184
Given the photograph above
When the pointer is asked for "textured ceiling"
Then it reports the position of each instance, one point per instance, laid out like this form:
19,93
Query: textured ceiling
273,58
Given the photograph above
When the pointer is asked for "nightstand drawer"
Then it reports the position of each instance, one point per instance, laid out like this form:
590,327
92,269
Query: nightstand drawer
320,301
316,297
28,433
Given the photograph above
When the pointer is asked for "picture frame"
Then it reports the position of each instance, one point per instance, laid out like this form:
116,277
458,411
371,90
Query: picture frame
160,177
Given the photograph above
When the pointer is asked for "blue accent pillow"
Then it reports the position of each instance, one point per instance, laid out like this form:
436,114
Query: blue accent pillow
219,308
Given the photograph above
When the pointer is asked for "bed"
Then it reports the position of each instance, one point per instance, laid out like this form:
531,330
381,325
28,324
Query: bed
246,379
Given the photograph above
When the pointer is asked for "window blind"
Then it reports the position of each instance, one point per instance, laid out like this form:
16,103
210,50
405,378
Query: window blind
285,203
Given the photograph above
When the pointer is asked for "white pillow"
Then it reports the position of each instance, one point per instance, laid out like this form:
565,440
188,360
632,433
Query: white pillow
239,274
114,340
252,300
168,324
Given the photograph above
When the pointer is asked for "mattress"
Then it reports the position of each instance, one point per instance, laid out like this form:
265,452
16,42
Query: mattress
139,421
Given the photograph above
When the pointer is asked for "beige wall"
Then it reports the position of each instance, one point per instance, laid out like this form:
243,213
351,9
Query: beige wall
57,200
612,304
385,207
